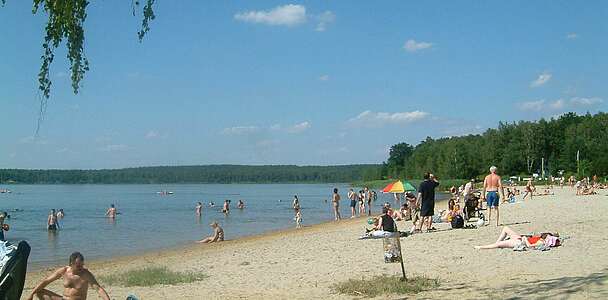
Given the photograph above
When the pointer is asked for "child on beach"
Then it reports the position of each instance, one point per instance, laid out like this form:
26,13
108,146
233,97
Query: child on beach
361,203
298,219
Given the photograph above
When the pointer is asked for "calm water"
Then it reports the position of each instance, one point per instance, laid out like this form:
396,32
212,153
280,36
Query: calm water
149,221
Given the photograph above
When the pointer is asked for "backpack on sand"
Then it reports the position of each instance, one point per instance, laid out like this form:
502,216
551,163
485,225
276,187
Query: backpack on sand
457,221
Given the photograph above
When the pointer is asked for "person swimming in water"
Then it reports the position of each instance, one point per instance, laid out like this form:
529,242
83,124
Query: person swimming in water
240,205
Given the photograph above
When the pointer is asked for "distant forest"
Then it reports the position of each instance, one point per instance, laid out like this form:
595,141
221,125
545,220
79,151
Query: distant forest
194,174
578,145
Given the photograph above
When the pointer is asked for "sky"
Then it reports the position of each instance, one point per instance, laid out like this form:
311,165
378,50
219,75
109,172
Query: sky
306,83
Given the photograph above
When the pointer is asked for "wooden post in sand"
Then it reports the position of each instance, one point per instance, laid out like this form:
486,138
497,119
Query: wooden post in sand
401,259
392,252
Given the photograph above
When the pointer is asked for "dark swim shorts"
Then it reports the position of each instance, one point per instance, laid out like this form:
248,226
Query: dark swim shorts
353,203
492,199
53,227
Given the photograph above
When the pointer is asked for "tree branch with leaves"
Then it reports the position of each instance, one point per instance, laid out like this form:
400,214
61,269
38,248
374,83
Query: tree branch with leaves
66,22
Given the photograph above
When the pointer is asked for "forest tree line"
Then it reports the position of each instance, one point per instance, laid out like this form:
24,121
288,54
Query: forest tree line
194,174
518,148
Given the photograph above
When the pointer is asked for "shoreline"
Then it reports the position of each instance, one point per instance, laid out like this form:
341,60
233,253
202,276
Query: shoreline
193,245
305,263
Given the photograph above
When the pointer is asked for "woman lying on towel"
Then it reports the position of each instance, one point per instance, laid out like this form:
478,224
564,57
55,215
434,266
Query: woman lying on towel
511,239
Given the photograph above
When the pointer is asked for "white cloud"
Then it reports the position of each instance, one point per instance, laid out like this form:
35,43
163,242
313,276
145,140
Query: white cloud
114,148
240,130
66,151
286,15
413,46
324,77
557,104
104,139
152,134
297,128
369,118
268,143
542,79
32,140
585,101
532,105
325,19
572,36
334,150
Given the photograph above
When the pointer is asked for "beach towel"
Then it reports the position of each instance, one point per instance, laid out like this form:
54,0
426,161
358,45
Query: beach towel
521,246
380,234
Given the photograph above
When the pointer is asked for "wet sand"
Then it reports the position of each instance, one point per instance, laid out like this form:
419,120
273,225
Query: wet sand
303,264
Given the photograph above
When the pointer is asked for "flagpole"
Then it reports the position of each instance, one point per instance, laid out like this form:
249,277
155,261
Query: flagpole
578,167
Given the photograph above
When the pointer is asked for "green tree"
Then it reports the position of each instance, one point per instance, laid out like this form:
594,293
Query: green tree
397,159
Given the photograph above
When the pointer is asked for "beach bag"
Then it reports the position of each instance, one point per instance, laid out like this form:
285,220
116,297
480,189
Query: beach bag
457,221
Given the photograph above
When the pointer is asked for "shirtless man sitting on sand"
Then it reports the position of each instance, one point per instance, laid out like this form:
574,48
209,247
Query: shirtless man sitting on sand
76,281
491,187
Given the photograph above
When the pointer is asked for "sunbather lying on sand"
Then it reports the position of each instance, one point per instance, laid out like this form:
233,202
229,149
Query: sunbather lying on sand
511,239
588,191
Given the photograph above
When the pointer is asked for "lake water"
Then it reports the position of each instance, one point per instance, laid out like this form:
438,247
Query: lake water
149,221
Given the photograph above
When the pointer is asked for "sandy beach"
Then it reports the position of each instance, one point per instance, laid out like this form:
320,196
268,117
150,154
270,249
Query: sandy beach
303,264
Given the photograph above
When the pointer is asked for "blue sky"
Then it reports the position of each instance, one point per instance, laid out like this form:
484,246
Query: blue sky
312,82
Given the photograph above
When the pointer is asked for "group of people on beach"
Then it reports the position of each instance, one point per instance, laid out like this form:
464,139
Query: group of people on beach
419,208
361,200
587,186
423,211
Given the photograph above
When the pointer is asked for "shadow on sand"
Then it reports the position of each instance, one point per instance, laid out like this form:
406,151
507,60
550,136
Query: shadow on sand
593,285
515,223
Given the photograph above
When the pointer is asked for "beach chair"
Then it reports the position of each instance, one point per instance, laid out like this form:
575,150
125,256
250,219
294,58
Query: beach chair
13,266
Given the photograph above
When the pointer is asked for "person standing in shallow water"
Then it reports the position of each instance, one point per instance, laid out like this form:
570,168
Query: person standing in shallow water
296,205
198,208
353,202
51,221
111,212
226,208
335,199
